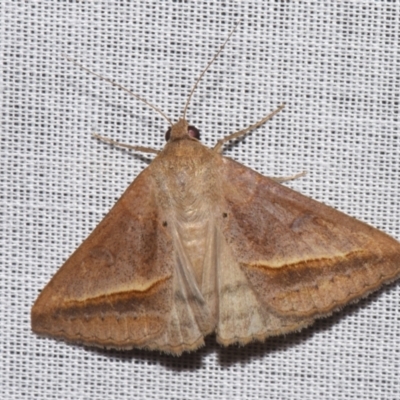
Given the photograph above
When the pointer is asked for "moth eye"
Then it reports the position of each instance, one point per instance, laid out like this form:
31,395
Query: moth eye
167,134
224,215
193,132
165,223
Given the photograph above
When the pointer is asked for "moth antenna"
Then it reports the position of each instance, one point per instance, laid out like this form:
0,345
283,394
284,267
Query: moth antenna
156,109
206,68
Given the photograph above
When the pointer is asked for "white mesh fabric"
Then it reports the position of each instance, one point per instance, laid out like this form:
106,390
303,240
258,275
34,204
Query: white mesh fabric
337,67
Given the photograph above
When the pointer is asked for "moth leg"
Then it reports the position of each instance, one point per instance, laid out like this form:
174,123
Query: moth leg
127,146
220,143
281,179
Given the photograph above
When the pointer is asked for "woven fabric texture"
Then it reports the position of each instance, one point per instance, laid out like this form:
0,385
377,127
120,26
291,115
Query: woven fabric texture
336,65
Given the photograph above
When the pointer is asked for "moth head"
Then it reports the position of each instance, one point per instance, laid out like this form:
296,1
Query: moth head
181,130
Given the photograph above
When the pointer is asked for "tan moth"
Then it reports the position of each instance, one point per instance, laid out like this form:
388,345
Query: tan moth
200,244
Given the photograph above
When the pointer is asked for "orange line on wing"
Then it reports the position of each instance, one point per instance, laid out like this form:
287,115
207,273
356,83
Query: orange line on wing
123,295
312,262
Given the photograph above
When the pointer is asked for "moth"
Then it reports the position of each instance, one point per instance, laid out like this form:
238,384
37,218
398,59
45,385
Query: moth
200,244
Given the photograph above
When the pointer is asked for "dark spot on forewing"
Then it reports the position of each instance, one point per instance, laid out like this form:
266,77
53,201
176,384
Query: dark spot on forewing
300,222
102,254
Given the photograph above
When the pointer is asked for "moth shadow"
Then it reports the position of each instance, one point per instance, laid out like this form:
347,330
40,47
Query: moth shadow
236,354
186,362
235,143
